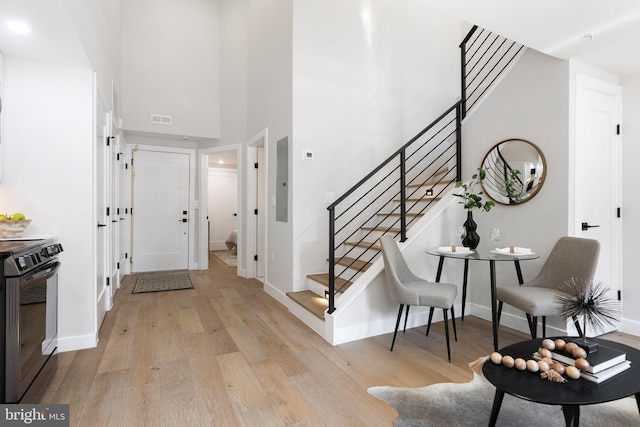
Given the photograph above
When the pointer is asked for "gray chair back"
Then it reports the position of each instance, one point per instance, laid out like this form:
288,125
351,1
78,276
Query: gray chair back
397,271
571,257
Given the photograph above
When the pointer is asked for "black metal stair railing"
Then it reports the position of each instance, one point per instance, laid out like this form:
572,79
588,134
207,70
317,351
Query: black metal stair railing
484,58
391,197
397,192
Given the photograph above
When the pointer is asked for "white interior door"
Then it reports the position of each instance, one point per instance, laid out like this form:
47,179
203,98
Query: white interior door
597,177
223,206
103,297
160,211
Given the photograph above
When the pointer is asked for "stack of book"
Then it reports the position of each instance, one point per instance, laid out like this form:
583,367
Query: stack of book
605,363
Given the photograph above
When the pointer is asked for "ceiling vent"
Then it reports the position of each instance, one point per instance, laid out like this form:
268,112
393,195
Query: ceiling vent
159,119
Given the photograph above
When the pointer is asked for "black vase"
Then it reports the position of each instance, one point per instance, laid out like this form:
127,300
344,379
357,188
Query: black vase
471,239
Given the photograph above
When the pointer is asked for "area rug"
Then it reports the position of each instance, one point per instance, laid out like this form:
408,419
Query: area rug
162,282
228,257
469,405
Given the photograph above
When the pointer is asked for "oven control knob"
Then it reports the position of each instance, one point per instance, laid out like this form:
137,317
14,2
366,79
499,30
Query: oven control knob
50,251
44,253
22,263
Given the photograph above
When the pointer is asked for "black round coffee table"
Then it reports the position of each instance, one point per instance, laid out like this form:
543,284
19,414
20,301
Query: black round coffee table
572,394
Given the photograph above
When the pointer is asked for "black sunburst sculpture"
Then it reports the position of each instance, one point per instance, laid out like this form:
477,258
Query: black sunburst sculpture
591,300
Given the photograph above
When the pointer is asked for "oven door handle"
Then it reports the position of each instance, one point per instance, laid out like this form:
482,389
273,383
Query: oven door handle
43,273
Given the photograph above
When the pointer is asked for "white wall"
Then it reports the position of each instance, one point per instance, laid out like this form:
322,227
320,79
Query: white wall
177,73
531,103
269,105
630,204
383,71
48,175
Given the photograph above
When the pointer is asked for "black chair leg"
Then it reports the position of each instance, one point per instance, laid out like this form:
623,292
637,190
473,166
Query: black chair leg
397,324
430,318
533,326
446,333
544,326
499,311
406,317
453,319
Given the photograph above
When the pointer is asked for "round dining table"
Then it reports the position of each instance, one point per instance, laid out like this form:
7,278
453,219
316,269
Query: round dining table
490,255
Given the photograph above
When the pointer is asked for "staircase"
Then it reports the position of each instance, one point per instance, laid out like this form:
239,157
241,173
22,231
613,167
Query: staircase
401,190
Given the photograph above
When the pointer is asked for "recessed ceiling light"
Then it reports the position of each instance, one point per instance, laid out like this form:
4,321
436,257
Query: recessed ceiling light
19,27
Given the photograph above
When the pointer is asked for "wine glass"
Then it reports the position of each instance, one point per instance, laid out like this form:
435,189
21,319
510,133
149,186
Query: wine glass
495,234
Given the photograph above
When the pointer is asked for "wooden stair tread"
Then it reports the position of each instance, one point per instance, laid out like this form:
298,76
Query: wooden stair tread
431,183
398,214
381,228
374,246
419,199
311,301
356,264
323,278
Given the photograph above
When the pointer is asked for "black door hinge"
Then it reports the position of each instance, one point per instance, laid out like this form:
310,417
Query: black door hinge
619,295
109,140
107,281
255,211
108,211
618,213
255,257
255,165
126,255
118,265
617,129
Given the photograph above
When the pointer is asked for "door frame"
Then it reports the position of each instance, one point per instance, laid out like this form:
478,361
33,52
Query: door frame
193,206
203,202
261,139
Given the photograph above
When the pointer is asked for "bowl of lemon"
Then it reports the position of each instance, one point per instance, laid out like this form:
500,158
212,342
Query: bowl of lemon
13,225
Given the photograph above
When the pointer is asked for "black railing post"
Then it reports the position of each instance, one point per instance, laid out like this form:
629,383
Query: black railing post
463,70
403,197
332,259
459,113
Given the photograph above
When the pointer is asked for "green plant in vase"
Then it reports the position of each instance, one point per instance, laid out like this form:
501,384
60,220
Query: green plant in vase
472,199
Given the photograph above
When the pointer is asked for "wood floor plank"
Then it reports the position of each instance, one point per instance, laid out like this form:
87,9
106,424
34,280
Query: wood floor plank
227,354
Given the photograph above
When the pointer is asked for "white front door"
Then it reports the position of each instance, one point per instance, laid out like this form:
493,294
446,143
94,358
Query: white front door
103,296
597,174
160,211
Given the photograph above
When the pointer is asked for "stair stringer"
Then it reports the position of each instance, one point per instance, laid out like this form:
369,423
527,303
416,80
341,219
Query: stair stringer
365,309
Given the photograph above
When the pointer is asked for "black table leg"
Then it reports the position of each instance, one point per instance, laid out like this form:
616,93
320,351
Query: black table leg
464,285
439,273
571,415
494,309
638,401
497,402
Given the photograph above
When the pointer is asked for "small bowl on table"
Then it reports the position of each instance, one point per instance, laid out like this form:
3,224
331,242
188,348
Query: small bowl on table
13,228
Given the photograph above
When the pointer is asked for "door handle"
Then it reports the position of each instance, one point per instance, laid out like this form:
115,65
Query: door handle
182,220
101,225
586,226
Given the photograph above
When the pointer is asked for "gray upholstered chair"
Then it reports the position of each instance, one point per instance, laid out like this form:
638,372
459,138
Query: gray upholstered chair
571,257
408,289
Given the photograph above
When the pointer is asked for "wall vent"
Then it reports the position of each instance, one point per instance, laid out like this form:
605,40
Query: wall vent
160,119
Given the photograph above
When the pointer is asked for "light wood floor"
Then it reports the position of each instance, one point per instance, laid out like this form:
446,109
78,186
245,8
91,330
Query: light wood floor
225,353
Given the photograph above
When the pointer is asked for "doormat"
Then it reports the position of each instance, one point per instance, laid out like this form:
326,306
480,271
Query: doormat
34,294
162,282
228,257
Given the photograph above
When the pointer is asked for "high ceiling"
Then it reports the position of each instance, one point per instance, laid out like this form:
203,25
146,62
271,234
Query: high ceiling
604,34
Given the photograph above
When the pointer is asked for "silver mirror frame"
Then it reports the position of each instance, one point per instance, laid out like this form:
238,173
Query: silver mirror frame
515,171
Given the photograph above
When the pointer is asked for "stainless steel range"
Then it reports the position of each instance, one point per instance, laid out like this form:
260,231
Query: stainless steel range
29,302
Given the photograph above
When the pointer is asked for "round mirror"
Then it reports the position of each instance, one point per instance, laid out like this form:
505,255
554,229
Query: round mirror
515,171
